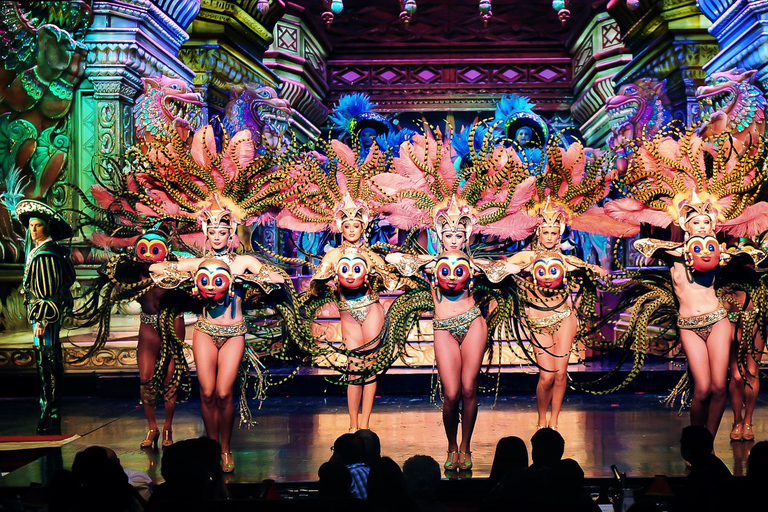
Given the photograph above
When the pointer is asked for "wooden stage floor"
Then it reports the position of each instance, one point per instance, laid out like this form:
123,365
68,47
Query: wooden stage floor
294,434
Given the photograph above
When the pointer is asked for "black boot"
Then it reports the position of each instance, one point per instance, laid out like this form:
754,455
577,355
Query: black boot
50,369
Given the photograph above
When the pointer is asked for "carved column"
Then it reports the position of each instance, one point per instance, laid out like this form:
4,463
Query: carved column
226,47
669,40
741,30
298,56
598,54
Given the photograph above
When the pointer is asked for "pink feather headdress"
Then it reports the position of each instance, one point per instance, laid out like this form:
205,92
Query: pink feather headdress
423,186
677,175
322,191
195,183
570,190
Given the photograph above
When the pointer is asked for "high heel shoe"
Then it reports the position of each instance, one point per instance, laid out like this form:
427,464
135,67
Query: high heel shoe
450,464
167,438
736,432
227,462
748,434
464,465
151,440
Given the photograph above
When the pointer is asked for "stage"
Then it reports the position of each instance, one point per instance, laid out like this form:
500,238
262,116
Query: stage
294,433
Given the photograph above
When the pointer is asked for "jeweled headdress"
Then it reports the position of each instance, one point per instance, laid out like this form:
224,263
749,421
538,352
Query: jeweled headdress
688,208
455,218
349,209
551,216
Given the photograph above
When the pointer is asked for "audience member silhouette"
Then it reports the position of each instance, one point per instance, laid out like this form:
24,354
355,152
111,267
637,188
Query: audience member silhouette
707,471
371,443
511,454
350,451
334,481
103,482
386,488
192,473
757,463
547,447
422,480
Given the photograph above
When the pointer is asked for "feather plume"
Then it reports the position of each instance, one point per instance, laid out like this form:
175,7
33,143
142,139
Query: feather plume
239,153
595,221
516,226
630,211
752,222
203,149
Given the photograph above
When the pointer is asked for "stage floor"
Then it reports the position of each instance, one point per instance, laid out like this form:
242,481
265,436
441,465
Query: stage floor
294,434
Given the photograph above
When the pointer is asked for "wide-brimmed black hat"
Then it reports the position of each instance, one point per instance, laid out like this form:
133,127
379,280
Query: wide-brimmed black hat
58,228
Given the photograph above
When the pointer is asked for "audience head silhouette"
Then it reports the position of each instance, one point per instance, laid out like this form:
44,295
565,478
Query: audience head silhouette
547,446
348,449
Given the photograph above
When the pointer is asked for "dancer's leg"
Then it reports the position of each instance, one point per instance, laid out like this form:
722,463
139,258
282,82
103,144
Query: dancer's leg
170,400
147,352
563,339
230,357
371,329
547,367
206,362
472,350
698,363
448,360
753,380
736,386
718,347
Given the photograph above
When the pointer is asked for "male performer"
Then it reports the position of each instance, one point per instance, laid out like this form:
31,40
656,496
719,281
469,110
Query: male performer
48,275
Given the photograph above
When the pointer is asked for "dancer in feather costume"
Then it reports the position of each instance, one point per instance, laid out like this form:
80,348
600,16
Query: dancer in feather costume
424,190
334,192
222,190
566,195
677,178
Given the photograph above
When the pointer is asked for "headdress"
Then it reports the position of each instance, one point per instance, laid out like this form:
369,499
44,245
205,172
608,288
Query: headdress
322,191
677,175
514,112
454,218
424,189
58,228
551,217
349,209
690,208
355,113
570,192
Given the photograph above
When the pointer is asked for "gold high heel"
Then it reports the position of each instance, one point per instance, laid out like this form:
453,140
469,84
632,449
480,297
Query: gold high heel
151,440
748,434
167,438
464,465
450,464
227,462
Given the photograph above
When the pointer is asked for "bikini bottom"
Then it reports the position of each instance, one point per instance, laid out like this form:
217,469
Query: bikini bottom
457,326
702,325
220,334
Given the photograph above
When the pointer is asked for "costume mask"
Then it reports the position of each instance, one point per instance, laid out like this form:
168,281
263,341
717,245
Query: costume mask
151,247
702,253
352,271
549,271
213,280
452,271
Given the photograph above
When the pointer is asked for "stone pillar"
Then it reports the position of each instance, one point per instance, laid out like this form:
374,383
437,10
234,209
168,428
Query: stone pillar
226,47
598,54
669,40
298,56
741,28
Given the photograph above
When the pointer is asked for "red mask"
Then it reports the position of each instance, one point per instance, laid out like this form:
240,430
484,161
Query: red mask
549,271
452,271
151,247
213,280
352,271
702,253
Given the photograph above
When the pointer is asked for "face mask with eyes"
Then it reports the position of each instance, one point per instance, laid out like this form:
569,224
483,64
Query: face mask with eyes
549,271
352,271
213,280
452,271
702,253
151,247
